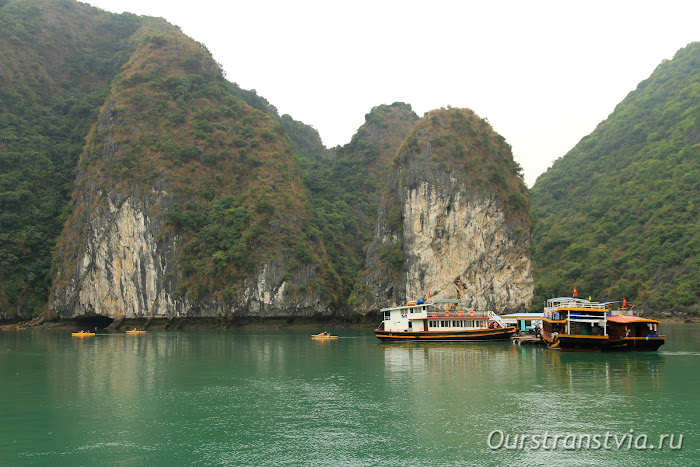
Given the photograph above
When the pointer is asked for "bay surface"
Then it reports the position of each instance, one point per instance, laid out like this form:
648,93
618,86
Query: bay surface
261,397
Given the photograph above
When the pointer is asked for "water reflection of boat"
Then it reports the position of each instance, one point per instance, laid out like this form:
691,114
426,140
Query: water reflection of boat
440,320
620,370
583,325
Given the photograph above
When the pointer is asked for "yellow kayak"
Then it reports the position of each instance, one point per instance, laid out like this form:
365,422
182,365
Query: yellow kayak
323,335
136,331
82,334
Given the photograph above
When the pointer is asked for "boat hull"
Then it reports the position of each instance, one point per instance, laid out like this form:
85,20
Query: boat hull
639,344
500,334
579,343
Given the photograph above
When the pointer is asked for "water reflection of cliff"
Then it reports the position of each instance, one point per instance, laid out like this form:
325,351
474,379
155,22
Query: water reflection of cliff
113,381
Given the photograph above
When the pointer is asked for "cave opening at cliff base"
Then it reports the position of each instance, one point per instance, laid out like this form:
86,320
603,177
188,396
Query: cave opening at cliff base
93,321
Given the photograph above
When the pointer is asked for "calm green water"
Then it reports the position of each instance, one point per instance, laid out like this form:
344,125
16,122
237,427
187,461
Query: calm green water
277,397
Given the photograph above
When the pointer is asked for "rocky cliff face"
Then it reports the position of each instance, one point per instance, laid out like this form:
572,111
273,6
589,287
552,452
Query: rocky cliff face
189,199
126,271
445,230
187,203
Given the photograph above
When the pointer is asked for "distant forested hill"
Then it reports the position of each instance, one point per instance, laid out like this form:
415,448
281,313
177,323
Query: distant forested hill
618,215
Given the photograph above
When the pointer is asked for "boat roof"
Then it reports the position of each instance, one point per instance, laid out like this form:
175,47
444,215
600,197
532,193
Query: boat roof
436,301
631,319
567,299
524,315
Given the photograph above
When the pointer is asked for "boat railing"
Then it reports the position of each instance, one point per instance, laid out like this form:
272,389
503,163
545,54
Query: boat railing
575,304
434,313
622,312
586,318
498,319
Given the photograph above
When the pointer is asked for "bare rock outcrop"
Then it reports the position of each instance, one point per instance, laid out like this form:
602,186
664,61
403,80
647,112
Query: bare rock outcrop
447,231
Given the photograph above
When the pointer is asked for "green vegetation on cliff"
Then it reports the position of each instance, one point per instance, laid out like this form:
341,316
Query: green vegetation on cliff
459,141
227,180
345,189
137,109
618,215
150,111
56,62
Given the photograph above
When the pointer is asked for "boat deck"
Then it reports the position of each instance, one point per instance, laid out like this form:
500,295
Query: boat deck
527,339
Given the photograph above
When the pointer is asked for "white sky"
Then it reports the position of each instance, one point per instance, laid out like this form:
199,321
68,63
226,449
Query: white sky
544,73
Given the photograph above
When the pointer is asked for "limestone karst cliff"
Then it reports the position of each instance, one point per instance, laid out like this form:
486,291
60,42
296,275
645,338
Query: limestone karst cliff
453,221
138,182
187,201
345,190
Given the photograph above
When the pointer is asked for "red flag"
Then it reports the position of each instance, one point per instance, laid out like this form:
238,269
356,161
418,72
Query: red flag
624,302
575,292
429,294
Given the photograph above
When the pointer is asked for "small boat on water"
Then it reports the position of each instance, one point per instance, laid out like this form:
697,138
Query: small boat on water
82,334
136,331
574,324
323,335
440,320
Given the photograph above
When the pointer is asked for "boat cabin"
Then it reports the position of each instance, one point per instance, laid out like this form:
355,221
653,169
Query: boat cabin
524,322
566,315
576,324
438,315
620,327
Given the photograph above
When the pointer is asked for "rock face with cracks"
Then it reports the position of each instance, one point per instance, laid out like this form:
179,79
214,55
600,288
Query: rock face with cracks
444,230
125,271
452,223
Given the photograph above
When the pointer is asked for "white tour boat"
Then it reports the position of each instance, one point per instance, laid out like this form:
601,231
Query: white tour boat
440,320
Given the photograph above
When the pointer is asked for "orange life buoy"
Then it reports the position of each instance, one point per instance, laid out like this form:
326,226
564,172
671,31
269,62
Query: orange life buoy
434,314
471,313
447,313
459,313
